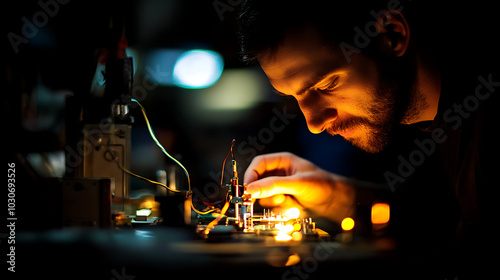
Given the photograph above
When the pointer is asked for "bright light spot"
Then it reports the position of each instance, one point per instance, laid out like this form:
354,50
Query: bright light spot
288,228
282,236
284,228
197,69
284,232
143,212
293,213
347,224
381,213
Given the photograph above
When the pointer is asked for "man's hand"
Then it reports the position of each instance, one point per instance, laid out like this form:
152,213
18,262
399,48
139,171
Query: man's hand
272,176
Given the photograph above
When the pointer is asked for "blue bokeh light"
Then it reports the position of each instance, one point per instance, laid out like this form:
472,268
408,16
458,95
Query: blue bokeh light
197,69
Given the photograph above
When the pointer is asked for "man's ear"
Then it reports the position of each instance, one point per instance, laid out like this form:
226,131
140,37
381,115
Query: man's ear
394,33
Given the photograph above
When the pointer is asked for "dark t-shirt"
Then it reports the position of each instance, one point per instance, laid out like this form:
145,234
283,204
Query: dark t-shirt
469,116
447,208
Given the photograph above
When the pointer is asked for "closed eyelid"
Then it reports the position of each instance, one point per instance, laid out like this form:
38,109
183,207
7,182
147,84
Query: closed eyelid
311,86
332,83
314,85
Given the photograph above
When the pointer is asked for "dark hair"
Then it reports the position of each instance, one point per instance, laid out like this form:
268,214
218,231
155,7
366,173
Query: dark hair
263,23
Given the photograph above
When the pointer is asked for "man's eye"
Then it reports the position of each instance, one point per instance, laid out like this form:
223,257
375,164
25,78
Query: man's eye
332,85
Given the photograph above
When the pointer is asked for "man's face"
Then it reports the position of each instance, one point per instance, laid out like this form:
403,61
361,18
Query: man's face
359,100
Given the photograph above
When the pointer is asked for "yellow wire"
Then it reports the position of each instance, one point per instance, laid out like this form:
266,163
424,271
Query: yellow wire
145,179
201,212
169,156
159,145
163,185
216,220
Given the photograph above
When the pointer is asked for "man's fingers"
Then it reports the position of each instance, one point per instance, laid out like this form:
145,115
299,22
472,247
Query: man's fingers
269,163
274,185
272,201
279,200
251,175
280,203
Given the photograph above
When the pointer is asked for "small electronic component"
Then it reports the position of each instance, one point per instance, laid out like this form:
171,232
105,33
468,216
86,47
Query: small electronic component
243,205
284,227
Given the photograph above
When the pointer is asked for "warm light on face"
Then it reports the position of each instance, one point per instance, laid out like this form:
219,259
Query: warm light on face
364,107
293,213
347,224
380,213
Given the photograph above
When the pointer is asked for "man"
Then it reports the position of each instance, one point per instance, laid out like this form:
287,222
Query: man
362,70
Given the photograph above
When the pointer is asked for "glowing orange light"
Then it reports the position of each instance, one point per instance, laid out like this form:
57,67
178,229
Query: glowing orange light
347,224
380,213
297,227
297,236
216,220
292,260
147,204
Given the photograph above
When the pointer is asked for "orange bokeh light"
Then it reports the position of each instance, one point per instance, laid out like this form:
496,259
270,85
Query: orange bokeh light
347,224
381,213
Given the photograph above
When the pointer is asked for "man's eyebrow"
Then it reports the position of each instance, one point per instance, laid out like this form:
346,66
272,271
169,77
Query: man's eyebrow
310,85
302,91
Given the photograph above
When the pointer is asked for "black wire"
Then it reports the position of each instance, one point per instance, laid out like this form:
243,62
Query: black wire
224,163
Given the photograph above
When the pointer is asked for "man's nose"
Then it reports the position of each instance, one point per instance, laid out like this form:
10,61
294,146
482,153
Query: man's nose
317,116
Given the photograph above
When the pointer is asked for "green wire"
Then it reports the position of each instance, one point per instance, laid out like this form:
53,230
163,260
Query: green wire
158,142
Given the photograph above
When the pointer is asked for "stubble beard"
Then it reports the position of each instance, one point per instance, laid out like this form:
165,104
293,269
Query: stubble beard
396,102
